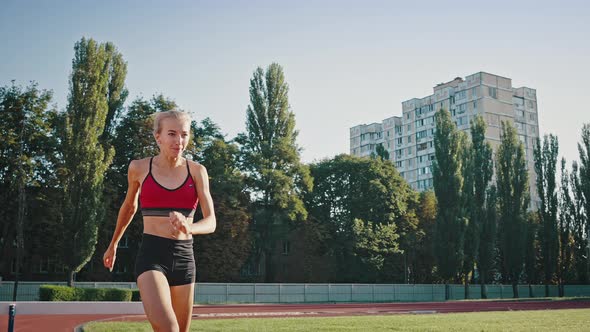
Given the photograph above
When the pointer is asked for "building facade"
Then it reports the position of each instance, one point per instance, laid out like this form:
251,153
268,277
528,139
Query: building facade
409,138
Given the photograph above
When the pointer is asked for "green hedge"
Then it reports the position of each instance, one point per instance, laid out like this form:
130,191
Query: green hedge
65,293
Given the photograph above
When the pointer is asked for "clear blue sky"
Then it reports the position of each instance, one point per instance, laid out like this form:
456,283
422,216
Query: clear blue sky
346,62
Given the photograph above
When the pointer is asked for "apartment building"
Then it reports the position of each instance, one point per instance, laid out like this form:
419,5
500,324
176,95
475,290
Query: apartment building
409,138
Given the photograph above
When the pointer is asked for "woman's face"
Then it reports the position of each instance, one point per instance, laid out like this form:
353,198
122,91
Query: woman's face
173,136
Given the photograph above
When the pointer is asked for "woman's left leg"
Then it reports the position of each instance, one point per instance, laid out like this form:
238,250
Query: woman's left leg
182,304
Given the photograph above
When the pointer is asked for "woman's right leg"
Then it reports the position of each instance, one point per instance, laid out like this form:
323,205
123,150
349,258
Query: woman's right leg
157,303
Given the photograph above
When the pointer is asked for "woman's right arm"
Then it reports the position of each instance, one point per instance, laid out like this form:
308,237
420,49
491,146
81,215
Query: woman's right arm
126,213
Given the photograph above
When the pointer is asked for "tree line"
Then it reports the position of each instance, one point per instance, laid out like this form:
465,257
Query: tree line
341,219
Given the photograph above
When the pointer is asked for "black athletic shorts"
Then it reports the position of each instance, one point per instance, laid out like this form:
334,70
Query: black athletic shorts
174,258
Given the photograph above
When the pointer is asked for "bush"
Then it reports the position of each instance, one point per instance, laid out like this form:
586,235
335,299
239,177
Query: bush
92,294
65,293
58,293
115,294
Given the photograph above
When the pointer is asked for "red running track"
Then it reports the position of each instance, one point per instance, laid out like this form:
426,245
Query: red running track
60,323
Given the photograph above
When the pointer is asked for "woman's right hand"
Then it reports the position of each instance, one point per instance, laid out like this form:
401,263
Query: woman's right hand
109,257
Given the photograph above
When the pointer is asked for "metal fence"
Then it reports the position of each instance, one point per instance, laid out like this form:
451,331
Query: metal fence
220,293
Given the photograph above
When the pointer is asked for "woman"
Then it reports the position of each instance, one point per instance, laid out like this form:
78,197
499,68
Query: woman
168,188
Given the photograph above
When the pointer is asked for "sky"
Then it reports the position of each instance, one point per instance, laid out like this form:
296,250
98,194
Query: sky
346,62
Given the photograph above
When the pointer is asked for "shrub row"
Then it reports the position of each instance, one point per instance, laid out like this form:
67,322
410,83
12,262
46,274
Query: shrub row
65,293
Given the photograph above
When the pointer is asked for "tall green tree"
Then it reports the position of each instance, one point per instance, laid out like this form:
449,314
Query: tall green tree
25,164
271,161
422,266
579,226
116,91
481,170
448,186
545,156
478,174
565,224
85,158
584,174
532,254
488,239
380,152
513,200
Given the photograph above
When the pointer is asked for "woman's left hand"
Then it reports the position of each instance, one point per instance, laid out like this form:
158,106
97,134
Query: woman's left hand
179,223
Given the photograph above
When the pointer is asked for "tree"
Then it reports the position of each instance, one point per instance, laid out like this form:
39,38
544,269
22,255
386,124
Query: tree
116,91
579,226
448,187
564,230
481,169
349,192
478,170
373,242
380,152
488,239
545,166
532,252
584,185
85,158
422,266
513,199
26,148
270,159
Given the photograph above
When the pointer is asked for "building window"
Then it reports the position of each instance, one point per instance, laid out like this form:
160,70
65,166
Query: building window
474,92
461,108
398,164
529,104
409,150
410,139
286,247
492,92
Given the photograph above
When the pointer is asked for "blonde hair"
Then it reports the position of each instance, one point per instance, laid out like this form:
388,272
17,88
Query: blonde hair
176,114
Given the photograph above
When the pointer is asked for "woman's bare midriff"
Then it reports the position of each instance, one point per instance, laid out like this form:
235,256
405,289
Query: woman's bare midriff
161,226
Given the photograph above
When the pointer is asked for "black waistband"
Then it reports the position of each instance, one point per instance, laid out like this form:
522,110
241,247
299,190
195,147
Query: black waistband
165,212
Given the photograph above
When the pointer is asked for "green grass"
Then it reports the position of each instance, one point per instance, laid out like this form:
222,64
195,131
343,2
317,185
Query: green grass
537,320
528,299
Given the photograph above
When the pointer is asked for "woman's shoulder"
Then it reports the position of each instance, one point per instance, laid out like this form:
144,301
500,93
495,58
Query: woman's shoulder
139,166
195,167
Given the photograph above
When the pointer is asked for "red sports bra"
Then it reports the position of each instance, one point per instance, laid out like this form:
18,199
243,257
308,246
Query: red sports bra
157,200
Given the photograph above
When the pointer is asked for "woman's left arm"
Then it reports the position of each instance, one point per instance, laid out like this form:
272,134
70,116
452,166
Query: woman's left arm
208,223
